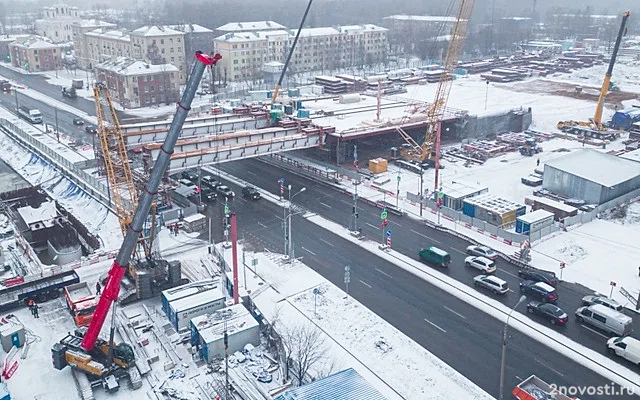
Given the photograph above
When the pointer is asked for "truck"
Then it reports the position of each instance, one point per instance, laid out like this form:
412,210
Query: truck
16,292
534,388
32,115
81,302
69,92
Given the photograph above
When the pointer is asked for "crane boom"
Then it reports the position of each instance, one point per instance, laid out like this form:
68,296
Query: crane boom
597,118
435,112
119,266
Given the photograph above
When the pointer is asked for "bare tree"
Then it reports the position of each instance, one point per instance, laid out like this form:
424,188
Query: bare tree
304,347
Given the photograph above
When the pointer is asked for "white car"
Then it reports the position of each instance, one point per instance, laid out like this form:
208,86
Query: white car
491,282
482,251
481,263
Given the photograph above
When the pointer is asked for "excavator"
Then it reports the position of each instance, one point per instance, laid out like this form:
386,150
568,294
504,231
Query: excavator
83,350
594,127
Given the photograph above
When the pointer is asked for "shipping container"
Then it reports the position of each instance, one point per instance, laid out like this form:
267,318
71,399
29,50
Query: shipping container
534,221
494,210
456,192
559,210
186,290
181,311
207,332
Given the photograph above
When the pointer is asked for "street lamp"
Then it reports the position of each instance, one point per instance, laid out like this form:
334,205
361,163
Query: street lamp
504,346
289,248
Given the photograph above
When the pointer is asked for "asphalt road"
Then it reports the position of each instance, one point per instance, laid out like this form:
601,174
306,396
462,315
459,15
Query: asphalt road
409,236
40,83
457,333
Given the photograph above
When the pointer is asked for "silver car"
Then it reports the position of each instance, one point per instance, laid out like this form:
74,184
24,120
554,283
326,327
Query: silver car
491,282
605,301
482,251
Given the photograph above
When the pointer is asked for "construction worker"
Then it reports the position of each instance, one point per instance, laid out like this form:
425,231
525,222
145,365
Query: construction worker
98,288
538,162
34,310
31,303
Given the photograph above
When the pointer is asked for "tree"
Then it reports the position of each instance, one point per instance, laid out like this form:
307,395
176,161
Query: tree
304,347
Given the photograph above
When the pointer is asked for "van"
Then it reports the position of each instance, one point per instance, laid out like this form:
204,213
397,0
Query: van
434,255
605,319
625,347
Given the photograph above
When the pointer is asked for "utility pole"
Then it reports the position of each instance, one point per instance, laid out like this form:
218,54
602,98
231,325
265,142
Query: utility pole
355,207
398,188
226,360
199,183
15,92
57,131
421,190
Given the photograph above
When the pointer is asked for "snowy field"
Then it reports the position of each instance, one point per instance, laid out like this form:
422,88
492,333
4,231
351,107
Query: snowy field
626,74
355,336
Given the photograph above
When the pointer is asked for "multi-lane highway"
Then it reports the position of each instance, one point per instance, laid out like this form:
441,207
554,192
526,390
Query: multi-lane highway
459,334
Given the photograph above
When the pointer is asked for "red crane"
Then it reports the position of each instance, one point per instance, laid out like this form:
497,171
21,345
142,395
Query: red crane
120,264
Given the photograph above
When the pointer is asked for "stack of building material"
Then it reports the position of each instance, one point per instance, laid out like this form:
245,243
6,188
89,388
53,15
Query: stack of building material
331,85
378,165
512,138
485,149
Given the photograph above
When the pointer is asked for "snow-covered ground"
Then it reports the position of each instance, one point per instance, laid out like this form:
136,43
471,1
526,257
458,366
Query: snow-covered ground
626,74
93,214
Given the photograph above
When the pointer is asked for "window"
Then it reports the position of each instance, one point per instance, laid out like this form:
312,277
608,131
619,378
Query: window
152,88
172,59
599,318
171,50
179,49
161,41
235,61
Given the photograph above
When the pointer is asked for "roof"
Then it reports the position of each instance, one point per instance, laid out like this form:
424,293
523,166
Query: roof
240,37
535,216
189,289
86,23
190,28
596,166
196,300
132,67
35,42
421,18
115,34
250,26
155,30
458,190
555,204
632,155
493,203
211,327
344,385
46,212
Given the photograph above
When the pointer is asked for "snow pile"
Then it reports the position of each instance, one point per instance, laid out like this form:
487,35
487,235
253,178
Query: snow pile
93,214
626,74
571,252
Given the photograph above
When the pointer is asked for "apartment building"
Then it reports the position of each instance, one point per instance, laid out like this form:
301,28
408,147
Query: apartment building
134,84
80,45
256,26
196,38
57,22
35,53
103,44
160,45
245,53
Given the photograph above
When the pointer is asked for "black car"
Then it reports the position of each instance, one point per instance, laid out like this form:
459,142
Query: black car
552,313
210,181
251,192
190,175
537,275
78,121
539,291
208,195
91,129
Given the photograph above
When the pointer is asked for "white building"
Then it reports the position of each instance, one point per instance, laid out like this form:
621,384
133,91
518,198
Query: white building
57,22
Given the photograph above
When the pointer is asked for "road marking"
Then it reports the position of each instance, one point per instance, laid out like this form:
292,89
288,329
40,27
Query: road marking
455,312
252,173
346,202
511,290
383,273
326,205
459,251
548,367
594,331
509,273
518,378
308,251
395,223
366,284
425,236
262,225
434,325
371,225
324,241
